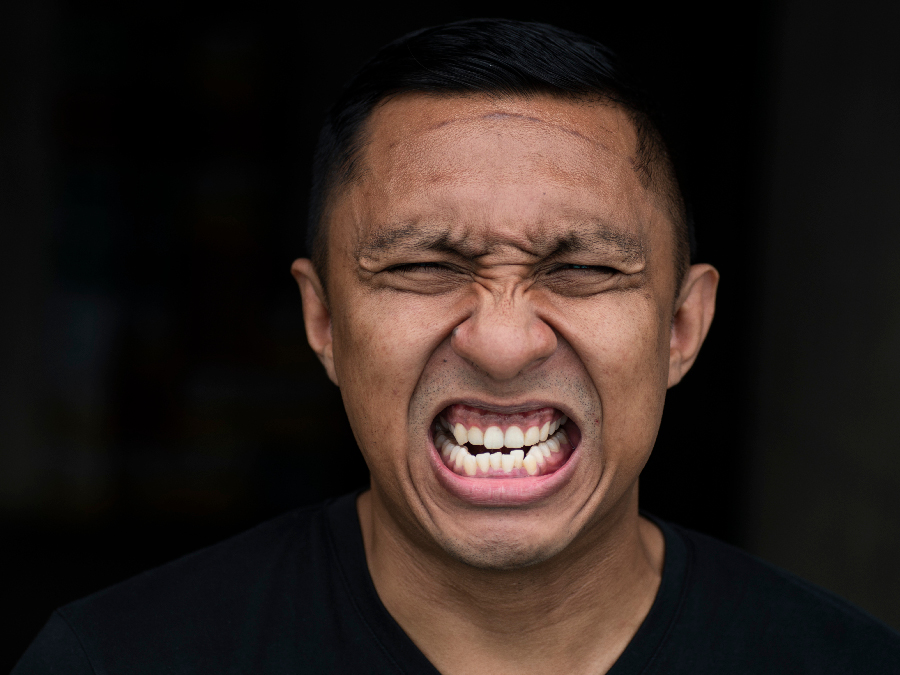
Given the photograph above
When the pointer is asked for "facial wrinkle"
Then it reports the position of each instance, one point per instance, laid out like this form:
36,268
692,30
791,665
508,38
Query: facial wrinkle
413,237
599,236
538,121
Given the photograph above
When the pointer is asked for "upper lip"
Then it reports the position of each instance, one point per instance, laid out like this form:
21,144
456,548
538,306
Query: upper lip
507,408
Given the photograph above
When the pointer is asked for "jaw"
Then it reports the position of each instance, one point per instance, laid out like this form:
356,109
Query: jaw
496,521
506,521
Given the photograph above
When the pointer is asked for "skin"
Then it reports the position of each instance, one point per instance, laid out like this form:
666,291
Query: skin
503,253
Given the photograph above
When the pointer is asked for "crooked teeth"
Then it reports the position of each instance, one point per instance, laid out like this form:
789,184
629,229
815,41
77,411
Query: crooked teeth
460,458
454,451
537,455
462,436
470,465
530,449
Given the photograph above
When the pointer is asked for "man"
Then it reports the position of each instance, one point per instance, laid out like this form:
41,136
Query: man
500,285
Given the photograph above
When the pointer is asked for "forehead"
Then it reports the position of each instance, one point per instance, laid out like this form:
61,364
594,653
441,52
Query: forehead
484,168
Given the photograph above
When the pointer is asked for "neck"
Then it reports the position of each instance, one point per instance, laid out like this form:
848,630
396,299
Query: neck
573,613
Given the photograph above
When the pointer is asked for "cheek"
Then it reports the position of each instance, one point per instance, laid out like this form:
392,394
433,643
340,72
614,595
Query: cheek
621,341
624,347
377,342
381,345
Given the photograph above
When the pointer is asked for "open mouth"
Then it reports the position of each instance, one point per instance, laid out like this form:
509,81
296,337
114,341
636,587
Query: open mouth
483,444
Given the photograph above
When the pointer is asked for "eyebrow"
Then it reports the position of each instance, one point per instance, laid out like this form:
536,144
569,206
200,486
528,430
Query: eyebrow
601,236
416,238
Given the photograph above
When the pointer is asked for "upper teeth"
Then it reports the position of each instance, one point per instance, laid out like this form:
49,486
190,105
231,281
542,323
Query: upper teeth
494,438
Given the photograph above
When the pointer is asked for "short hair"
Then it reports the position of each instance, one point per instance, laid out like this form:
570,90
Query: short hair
498,57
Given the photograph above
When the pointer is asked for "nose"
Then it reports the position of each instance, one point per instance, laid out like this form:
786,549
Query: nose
504,337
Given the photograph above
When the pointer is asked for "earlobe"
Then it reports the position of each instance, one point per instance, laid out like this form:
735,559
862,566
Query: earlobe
316,315
693,317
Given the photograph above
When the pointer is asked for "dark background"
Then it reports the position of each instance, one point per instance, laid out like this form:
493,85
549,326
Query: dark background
157,392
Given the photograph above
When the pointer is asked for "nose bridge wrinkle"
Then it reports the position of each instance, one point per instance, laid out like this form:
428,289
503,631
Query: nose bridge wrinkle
504,302
504,336
505,291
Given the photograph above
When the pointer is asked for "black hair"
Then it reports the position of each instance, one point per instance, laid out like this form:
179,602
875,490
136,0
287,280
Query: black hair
498,57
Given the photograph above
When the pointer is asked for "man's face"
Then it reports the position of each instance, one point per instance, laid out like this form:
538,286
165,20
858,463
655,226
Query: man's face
498,271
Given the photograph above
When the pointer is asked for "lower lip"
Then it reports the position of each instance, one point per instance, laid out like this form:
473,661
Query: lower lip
500,492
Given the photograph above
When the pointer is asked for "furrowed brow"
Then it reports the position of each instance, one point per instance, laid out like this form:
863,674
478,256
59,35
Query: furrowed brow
414,238
410,238
598,236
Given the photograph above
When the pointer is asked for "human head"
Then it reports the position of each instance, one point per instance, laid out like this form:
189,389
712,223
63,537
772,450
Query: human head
498,57
502,261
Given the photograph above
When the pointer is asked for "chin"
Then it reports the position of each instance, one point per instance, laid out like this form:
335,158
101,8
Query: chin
505,548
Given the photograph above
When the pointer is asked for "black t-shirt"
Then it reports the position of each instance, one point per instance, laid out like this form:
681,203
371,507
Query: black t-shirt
294,595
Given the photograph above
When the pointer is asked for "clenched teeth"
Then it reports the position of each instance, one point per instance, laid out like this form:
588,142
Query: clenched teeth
515,445
542,457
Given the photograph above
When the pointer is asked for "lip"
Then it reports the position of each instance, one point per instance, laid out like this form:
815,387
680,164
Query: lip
503,408
503,492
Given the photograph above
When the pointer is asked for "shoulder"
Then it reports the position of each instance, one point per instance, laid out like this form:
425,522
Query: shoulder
218,606
739,611
225,572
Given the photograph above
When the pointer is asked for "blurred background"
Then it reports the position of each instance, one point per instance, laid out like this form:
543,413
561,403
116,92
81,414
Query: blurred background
156,390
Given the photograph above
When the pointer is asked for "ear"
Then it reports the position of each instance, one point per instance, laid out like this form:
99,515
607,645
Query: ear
693,316
316,314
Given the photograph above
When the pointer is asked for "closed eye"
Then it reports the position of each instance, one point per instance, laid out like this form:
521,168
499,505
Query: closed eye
599,269
427,277
418,267
577,280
